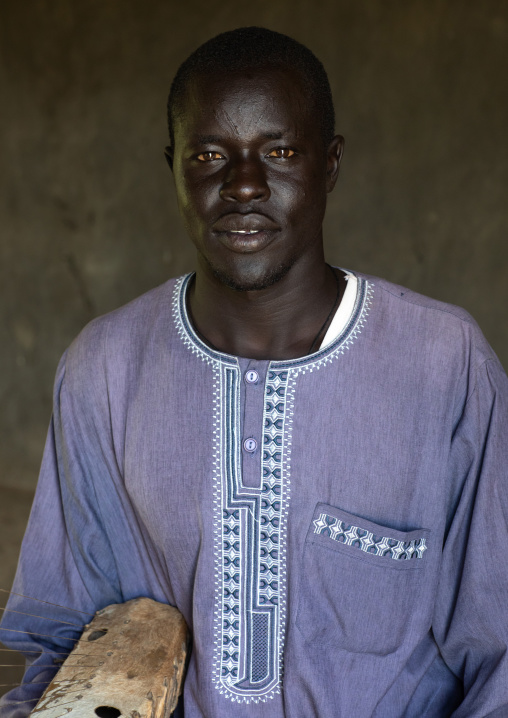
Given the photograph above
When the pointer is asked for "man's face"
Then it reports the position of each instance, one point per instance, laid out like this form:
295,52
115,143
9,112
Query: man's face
251,174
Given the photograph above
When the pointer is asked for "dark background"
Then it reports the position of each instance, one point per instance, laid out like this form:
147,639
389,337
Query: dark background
88,219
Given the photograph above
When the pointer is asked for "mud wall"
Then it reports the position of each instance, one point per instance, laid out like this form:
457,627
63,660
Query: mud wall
88,219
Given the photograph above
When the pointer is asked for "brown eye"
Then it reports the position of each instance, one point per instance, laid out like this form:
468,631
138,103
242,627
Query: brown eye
209,156
282,153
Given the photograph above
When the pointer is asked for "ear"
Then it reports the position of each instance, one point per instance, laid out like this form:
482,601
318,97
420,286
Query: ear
168,154
333,158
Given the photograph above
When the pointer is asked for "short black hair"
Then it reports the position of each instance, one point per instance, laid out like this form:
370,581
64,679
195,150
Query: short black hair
250,48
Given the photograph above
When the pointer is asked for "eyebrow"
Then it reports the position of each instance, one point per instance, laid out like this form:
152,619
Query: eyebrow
208,139
217,139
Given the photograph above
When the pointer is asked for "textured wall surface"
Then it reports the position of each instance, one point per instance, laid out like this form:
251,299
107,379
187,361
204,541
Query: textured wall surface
87,215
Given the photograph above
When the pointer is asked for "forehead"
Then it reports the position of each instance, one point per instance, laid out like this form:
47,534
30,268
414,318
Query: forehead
245,103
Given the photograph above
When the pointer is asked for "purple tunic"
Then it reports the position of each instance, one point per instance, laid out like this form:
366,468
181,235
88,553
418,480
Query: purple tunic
333,528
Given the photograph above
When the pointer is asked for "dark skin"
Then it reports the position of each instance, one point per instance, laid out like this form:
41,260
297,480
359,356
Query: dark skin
252,175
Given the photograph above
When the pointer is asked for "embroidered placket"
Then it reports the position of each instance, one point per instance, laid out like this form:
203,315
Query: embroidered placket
249,638
250,523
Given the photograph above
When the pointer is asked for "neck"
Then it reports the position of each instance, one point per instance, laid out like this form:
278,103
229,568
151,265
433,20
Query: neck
283,321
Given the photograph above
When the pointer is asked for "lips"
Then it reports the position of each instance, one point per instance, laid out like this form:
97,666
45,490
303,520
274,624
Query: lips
245,233
244,224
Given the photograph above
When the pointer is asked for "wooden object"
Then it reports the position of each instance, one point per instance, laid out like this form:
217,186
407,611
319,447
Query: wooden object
130,661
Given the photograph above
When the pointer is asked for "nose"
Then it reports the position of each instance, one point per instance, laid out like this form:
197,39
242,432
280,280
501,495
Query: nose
245,181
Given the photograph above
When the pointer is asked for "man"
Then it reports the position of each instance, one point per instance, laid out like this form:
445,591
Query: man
308,462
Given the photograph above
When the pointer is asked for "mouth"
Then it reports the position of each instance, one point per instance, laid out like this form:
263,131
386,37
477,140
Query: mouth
245,233
246,241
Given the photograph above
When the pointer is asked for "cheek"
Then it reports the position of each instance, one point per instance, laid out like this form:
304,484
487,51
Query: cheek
193,198
303,193
306,203
289,193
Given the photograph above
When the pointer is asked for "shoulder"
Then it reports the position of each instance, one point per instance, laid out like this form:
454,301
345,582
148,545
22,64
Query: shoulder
408,296
111,344
426,321
426,342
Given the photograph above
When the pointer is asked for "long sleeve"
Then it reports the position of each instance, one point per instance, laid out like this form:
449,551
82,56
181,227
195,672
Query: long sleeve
470,623
66,558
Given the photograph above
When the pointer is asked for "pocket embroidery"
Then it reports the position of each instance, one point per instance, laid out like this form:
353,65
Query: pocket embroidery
366,541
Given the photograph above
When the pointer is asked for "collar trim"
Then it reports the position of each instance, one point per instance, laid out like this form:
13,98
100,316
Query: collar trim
351,330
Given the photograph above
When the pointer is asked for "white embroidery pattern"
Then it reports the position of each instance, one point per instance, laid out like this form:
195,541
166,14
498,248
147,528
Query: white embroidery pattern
365,540
251,581
249,523
320,359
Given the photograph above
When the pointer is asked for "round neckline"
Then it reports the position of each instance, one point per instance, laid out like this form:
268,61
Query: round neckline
349,331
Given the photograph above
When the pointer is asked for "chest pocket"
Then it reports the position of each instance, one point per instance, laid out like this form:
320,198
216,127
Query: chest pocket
361,583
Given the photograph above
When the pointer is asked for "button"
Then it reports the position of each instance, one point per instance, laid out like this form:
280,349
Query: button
252,377
250,445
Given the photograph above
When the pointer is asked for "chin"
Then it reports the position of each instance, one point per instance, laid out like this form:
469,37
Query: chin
251,281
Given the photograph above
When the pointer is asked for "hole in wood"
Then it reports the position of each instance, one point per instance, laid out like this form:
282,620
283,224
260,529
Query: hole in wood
107,712
97,634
